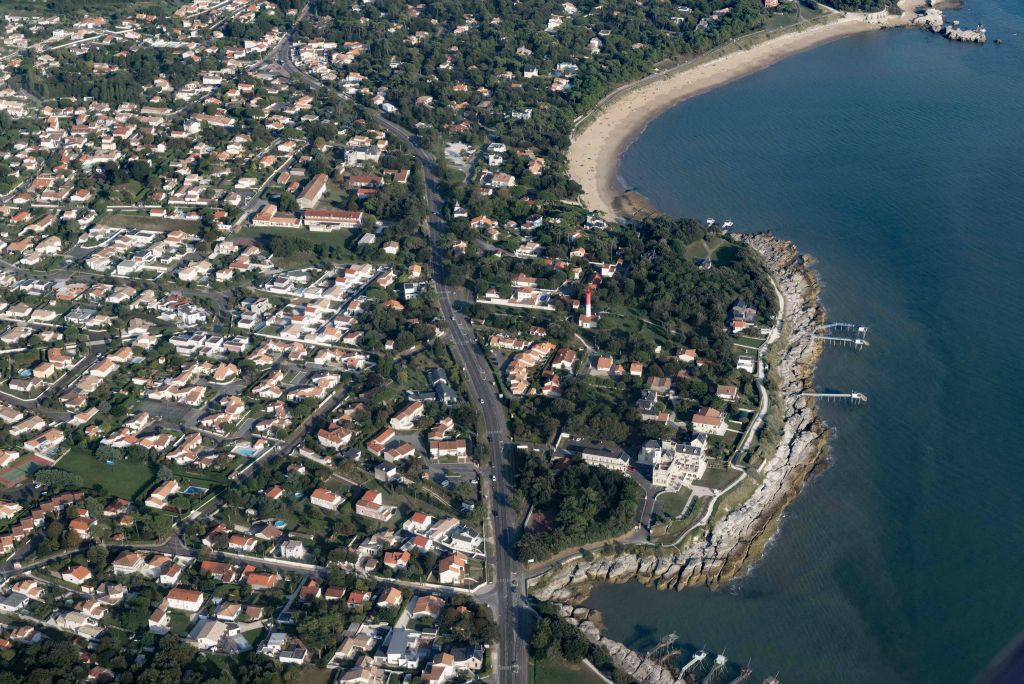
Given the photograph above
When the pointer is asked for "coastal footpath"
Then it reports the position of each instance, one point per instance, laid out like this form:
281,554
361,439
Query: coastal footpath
739,537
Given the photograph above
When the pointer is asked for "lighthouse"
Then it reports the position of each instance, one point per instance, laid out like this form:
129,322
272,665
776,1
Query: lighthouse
588,320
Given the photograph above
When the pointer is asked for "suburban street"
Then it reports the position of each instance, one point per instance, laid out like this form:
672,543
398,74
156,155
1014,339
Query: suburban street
508,597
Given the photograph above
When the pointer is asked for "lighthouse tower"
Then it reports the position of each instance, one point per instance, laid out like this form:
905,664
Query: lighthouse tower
588,320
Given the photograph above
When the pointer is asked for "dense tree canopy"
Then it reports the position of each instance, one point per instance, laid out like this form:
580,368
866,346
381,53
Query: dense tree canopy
581,504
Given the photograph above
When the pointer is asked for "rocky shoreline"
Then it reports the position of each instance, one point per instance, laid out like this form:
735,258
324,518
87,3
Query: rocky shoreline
932,20
739,538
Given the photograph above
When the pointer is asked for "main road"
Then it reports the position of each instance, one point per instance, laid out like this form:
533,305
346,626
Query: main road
508,596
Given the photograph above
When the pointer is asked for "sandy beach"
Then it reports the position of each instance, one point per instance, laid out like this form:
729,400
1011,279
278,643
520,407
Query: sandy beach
600,141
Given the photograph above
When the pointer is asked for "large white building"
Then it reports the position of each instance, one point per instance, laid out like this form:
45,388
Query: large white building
674,465
600,457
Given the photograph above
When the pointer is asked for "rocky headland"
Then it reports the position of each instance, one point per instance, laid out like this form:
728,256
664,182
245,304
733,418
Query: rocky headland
739,537
932,20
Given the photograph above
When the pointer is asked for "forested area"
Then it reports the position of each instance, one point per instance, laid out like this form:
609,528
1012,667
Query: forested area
74,8
511,37
665,285
77,77
172,662
586,410
554,637
581,504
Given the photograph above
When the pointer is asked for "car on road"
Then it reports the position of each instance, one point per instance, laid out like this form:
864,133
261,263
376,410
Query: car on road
481,401
494,478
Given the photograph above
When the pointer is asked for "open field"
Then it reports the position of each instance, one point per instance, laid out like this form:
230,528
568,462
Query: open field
559,671
667,532
720,251
145,222
126,479
672,502
337,240
715,478
626,322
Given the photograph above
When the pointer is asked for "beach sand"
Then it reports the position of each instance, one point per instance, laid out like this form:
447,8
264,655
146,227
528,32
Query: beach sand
593,157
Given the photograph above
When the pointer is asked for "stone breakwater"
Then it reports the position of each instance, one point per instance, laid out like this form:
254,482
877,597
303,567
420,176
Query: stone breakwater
739,537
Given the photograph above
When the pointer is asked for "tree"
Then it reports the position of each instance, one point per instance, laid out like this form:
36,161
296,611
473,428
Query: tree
288,202
58,479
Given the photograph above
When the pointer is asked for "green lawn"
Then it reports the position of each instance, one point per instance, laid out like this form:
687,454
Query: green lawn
778,20
672,502
716,478
336,239
749,341
314,675
735,497
720,251
143,221
559,671
667,532
179,623
407,503
126,479
626,322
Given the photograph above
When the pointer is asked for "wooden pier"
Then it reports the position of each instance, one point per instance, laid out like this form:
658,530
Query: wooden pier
843,335
851,397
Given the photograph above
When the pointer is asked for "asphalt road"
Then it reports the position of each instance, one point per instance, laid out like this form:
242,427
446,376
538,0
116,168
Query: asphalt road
508,597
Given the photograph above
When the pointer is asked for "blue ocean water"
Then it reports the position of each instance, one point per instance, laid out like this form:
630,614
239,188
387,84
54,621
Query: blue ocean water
895,159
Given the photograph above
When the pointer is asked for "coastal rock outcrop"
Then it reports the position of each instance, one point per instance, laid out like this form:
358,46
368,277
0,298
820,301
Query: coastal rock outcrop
740,535
977,35
932,20
632,663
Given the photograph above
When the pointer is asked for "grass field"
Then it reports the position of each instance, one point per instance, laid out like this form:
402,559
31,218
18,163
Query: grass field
143,222
126,479
720,251
717,478
559,671
337,239
748,343
672,502
667,532
735,497
315,675
625,322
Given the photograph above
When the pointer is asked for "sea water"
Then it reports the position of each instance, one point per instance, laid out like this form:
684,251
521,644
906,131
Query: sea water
896,159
